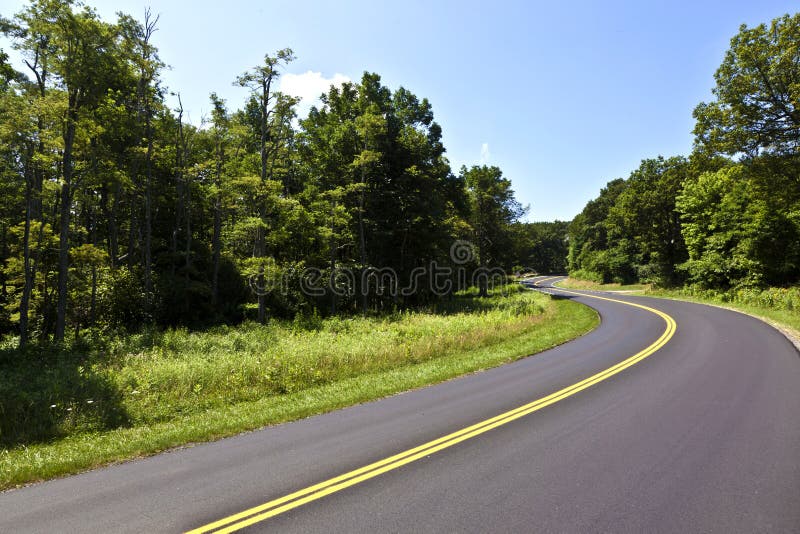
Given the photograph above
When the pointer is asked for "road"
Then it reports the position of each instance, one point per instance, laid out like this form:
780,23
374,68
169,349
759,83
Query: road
701,434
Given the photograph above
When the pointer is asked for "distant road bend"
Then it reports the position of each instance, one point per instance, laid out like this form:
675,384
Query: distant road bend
669,417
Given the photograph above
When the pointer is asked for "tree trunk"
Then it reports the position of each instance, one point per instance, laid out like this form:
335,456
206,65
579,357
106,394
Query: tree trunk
188,250
482,279
216,244
362,240
113,227
176,227
333,246
260,237
262,301
265,87
93,305
24,303
66,204
33,211
132,230
148,218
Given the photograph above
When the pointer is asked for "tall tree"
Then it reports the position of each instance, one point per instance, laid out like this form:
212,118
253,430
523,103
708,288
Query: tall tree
757,106
260,80
80,57
144,57
493,210
220,132
643,225
588,233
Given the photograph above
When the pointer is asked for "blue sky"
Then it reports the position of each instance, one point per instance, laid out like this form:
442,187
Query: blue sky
563,96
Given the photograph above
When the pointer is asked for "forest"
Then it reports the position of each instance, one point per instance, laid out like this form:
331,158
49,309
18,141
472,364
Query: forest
727,216
116,212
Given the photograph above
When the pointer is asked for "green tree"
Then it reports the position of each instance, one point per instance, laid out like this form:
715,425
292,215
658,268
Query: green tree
734,236
588,236
541,246
757,107
493,209
644,226
260,80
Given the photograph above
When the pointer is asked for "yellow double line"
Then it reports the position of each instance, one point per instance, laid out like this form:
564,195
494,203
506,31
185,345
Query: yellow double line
537,282
299,498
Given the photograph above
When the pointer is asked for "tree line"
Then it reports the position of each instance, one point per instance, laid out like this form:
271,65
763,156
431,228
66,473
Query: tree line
116,212
728,215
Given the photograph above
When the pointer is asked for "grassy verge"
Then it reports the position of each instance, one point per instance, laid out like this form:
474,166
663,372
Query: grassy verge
574,283
785,319
174,388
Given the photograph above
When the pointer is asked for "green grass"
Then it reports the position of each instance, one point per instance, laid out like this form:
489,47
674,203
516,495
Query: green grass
160,390
574,283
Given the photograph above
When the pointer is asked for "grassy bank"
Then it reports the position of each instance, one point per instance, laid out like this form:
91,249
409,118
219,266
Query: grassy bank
576,283
66,412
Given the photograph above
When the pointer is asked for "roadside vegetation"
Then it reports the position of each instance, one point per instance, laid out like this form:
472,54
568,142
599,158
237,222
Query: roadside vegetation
72,410
722,225
574,282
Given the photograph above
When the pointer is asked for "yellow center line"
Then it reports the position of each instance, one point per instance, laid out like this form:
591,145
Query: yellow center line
277,506
537,282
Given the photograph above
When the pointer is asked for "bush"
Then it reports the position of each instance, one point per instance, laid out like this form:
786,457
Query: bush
778,298
589,276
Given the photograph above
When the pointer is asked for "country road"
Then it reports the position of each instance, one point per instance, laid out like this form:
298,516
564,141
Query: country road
699,433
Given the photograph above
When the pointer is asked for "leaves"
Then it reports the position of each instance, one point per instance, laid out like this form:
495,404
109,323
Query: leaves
757,108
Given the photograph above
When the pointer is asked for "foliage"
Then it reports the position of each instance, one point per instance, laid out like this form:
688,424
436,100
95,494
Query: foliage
777,298
711,220
757,107
540,246
493,210
116,213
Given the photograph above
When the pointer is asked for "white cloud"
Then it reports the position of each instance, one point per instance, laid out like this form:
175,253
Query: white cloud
308,87
485,154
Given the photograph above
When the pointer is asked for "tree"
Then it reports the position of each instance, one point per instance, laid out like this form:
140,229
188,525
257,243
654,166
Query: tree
144,58
541,246
643,224
382,152
736,235
757,107
260,80
79,53
741,222
493,209
588,235
220,132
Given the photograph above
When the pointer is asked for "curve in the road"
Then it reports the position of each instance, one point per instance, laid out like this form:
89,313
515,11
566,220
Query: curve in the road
304,496
702,437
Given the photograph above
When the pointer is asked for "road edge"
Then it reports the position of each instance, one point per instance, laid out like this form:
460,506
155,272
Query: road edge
792,335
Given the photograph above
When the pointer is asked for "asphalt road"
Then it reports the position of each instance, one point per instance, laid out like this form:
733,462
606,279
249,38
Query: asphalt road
702,435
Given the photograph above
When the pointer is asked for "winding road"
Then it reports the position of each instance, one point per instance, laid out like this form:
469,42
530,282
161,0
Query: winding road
669,417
